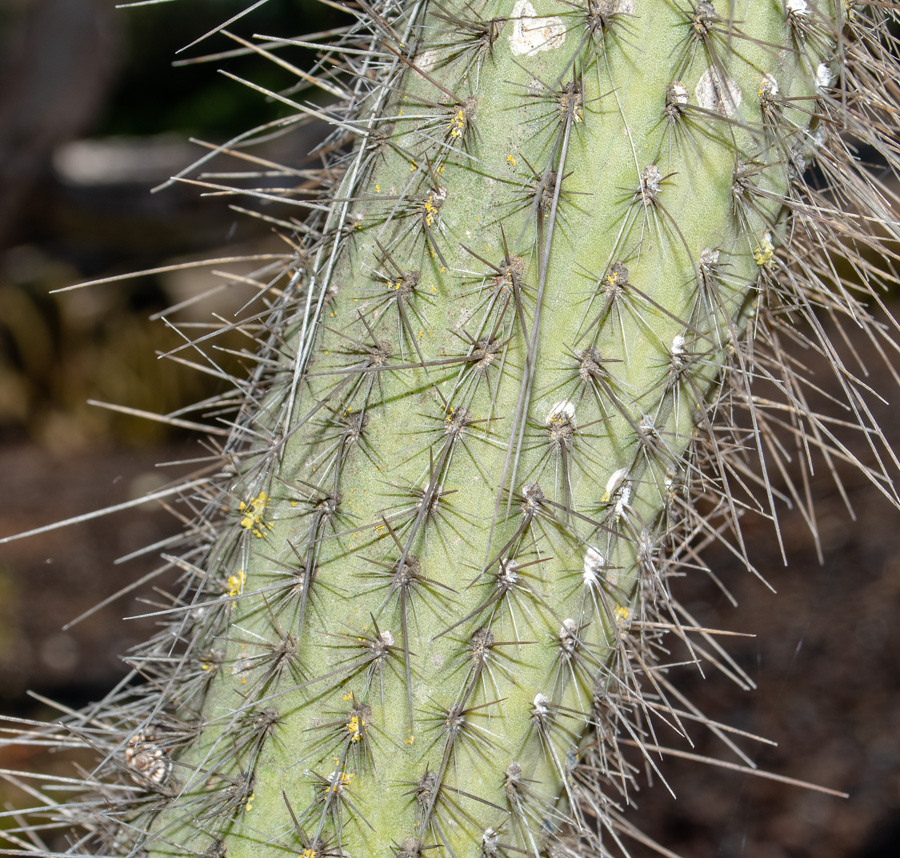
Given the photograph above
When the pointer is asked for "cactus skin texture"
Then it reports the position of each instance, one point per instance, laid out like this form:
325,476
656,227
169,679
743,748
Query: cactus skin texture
502,394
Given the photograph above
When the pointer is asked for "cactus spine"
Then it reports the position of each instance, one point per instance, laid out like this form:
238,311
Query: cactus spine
493,413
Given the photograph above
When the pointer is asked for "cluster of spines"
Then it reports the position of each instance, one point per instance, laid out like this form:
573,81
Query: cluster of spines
263,625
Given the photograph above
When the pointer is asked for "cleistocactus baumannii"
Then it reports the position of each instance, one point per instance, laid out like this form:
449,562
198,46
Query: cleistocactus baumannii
523,356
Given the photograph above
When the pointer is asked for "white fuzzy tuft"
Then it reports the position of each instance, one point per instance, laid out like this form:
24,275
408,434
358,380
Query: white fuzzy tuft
615,481
769,86
564,408
678,93
592,569
622,501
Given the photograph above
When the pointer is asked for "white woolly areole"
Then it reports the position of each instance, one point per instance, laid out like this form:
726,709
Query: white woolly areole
622,501
678,93
678,345
387,638
713,93
594,562
562,408
709,258
509,571
530,34
797,7
823,77
540,703
615,480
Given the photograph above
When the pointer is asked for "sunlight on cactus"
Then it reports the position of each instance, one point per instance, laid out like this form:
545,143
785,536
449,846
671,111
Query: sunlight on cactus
522,358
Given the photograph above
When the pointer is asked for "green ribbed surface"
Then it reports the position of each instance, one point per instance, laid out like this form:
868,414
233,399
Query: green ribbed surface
460,189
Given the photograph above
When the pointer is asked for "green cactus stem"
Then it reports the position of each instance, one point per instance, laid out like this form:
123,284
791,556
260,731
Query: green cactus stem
502,392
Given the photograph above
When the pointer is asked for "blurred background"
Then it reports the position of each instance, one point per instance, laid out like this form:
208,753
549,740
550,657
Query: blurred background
93,115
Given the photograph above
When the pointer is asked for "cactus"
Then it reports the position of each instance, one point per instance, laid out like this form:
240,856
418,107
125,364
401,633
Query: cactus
524,357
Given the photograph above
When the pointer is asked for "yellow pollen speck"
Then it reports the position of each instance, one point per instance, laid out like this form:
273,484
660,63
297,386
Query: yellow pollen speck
252,518
236,584
511,160
430,210
342,781
765,252
457,124
353,729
